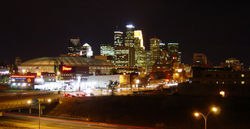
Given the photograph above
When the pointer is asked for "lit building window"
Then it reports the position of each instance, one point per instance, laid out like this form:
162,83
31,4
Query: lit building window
217,82
223,82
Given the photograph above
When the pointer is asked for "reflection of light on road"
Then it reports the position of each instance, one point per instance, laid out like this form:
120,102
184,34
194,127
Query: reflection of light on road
73,123
125,88
172,84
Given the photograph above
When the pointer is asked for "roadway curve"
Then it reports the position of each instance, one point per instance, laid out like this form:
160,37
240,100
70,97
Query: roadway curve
31,122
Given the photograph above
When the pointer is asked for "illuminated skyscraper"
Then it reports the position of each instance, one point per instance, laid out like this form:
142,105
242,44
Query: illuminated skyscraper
174,53
74,47
199,60
124,56
129,40
139,37
140,53
107,50
154,50
86,50
163,53
133,49
118,38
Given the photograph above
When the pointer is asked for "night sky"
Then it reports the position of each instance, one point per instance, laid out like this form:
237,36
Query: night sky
37,28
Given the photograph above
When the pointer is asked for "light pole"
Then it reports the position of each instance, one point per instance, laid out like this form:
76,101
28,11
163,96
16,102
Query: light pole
204,116
29,102
34,102
39,110
137,82
79,82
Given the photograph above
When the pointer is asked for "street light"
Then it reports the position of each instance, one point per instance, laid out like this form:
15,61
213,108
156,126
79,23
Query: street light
222,93
49,100
137,82
35,100
29,101
204,116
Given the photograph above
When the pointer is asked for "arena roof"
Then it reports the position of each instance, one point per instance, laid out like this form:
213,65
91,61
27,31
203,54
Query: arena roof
66,60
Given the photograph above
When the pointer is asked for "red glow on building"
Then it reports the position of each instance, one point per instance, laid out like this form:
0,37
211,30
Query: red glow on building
65,68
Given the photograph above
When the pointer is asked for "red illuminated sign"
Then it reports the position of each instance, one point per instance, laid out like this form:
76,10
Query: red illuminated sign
65,68
22,76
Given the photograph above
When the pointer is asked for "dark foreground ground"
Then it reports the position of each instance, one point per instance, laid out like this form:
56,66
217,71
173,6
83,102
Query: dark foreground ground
170,112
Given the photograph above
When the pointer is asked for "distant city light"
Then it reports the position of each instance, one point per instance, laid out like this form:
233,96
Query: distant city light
179,70
130,26
4,72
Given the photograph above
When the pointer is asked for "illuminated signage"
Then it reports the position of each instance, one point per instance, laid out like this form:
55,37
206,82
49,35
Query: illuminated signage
28,80
38,74
65,68
22,76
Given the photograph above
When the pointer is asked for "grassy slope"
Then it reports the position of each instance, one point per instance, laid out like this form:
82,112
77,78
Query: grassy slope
173,111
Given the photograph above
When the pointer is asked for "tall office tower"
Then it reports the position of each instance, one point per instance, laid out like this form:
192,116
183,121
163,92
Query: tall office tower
129,40
139,38
74,47
199,60
86,50
107,50
140,58
124,56
163,54
118,38
140,53
173,52
154,50
148,61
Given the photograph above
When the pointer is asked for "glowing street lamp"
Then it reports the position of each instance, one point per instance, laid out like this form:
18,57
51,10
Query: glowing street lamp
23,71
39,106
204,116
222,93
29,101
49,100
137,81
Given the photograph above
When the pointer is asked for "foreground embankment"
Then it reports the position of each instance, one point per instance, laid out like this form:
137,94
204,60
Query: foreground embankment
173,112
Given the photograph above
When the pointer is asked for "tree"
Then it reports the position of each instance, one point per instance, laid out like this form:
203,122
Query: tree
112,86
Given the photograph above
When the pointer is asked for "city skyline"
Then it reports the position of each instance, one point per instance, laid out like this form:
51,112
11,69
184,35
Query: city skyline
218,30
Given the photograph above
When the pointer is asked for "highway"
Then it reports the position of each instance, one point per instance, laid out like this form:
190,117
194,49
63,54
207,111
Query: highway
31,122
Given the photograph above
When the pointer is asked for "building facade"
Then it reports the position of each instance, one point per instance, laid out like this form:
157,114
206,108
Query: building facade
129,39
173,52
74,47
154,50
86,50
118,38
124,56
199,60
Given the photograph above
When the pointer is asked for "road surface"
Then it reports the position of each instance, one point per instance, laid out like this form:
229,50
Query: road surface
31,122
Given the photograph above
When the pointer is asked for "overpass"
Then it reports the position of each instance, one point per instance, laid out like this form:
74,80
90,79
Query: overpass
13,101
